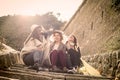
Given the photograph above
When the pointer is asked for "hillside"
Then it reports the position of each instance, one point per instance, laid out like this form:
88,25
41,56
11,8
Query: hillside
16,28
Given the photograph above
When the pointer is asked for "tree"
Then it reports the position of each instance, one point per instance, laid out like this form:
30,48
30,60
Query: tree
16,28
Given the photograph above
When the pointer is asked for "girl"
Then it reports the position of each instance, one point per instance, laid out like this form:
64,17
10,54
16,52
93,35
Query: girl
58,53
73,52
32,52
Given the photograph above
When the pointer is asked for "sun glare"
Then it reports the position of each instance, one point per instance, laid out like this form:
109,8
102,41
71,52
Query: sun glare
33,7
28,13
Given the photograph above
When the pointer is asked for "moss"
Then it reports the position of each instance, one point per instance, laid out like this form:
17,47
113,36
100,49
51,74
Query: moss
116,5
1,46
113,44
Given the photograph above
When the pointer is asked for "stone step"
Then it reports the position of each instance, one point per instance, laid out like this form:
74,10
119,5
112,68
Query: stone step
23,76
6,78
23,73
8,59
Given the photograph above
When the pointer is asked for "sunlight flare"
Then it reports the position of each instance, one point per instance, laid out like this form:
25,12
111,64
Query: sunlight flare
28,12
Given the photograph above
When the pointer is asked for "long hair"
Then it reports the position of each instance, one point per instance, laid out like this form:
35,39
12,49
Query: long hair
75,40
34,34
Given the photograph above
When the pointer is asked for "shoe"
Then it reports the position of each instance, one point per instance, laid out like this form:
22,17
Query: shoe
50,70
65,69
40,69
36,66
30,67
56,69
45,69
72,71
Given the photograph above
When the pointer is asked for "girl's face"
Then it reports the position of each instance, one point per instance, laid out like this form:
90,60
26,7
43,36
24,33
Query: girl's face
71,38
57,37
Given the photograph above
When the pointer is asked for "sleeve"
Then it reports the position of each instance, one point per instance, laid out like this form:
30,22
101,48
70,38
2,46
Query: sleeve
51,46
79,51
45,35
38,43
65,48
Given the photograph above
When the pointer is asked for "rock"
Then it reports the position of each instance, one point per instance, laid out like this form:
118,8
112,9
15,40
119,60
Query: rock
114,59
118,54
8,57
104,62
118,70
6,78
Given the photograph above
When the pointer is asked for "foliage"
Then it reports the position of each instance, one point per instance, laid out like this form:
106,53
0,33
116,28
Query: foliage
113,43
116,5
16,28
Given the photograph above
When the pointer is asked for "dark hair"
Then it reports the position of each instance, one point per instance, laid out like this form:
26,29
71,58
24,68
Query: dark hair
60,33
35,33
75,40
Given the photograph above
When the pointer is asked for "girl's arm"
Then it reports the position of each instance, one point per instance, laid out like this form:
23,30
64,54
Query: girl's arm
79,51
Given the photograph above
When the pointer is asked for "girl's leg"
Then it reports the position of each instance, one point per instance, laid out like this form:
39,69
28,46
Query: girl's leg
38,57
62,58
68,62
53,58
74,57
28,59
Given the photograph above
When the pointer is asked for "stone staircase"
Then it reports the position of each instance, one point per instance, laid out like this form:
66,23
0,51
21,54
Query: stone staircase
11,69
23,73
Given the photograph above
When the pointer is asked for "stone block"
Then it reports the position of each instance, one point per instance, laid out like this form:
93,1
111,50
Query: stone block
6,78
8,59
118,54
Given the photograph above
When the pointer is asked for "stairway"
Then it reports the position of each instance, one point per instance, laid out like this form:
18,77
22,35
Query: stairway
11,69
23,73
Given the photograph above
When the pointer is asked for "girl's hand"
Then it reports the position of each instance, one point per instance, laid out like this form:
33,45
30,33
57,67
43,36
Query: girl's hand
39,47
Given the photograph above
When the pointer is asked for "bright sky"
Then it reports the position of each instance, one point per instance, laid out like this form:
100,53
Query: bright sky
31,7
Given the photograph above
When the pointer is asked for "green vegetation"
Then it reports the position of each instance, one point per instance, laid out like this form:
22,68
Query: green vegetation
116,5
16,28
113,43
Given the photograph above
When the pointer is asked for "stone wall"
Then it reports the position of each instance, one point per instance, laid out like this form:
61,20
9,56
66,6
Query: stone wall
96,24
8,57
104,62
